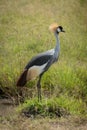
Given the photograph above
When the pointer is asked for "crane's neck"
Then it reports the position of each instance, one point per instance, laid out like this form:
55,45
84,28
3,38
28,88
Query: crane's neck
57,48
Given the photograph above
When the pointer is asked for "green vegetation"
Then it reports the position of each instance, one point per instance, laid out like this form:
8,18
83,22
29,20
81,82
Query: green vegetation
24,33
54,107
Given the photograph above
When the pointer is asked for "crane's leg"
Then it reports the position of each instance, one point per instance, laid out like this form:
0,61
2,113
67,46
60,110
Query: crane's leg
39,88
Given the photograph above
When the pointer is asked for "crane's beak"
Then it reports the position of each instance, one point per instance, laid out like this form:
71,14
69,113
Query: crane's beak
63,30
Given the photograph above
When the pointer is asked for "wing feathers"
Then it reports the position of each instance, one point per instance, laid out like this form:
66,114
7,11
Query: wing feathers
35,67
35,71
22,79
30,74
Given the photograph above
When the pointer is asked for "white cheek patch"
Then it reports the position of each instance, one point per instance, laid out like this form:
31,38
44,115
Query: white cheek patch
58,30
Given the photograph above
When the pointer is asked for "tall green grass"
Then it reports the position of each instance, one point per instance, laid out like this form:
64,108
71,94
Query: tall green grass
24,33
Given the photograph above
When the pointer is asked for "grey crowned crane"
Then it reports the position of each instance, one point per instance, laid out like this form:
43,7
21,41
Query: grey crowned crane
42,62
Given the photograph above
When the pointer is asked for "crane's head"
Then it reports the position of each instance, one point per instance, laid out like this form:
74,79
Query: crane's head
55,28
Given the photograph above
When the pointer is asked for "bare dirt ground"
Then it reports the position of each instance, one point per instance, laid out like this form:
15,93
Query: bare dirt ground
10,119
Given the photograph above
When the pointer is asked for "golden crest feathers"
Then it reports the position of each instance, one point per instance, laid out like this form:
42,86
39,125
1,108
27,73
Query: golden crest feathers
53,27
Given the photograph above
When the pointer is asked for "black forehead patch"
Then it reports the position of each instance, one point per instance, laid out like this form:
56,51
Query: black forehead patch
60,27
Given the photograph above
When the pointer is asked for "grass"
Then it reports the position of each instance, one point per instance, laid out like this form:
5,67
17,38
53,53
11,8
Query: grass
53,107
24,33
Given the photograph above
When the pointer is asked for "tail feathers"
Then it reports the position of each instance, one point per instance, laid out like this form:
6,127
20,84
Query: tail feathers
22,79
